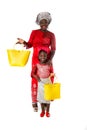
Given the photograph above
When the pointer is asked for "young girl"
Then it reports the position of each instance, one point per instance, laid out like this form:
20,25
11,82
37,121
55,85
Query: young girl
41,72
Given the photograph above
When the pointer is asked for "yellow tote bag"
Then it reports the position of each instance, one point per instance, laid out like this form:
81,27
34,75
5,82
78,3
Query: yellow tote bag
18,57
52,91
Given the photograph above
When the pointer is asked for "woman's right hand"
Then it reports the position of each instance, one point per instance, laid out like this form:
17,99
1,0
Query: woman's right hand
20,41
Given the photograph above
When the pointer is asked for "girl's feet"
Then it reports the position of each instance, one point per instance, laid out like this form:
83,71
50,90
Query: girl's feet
47,114
35,107
42,114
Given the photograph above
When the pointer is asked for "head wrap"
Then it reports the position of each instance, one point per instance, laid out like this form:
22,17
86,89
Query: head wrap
43,15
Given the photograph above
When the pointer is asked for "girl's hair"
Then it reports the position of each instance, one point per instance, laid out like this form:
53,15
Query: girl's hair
42,51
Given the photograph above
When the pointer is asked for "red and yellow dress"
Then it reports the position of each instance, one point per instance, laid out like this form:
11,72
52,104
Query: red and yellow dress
40,40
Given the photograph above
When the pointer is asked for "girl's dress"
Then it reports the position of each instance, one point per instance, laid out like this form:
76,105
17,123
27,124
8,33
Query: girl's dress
43,71
40,94
40,40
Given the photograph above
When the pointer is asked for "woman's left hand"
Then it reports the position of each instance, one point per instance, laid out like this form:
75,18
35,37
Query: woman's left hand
49,62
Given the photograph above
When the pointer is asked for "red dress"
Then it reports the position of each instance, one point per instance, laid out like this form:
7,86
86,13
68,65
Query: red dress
40,40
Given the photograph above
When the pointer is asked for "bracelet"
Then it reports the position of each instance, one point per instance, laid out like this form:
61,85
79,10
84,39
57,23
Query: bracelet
24,42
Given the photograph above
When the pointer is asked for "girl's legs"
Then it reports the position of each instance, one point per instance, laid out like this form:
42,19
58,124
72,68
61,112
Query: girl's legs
47,110
42,110
44,107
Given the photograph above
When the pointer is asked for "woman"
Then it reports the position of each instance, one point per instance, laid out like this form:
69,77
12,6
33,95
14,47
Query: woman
40,39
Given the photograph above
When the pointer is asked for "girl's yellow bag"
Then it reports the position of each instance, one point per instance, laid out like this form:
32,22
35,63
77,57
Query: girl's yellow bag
52,91
18,57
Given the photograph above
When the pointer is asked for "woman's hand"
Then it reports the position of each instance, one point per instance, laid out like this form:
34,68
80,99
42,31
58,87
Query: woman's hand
20,41
49,62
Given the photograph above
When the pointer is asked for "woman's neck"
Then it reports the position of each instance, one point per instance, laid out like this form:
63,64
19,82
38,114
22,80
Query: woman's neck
44,30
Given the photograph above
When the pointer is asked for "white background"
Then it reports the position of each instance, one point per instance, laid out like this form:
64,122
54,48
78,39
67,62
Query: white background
17,19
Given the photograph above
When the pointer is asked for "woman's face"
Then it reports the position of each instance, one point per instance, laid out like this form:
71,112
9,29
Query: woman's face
44,24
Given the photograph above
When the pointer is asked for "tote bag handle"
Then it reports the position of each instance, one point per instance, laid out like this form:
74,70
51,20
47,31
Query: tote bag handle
19,46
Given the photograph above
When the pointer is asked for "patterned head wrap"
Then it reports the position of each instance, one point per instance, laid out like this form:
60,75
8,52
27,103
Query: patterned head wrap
43,15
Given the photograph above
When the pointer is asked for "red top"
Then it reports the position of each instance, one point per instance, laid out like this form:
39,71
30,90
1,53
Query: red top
42,70
41,40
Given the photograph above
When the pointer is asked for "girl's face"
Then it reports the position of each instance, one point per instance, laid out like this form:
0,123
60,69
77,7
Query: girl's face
43,57
44,24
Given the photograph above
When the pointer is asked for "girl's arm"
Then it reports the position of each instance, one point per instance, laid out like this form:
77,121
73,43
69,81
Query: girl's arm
34,74
36,77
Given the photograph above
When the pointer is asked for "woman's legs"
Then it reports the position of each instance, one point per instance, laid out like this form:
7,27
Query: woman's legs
34,86
34,94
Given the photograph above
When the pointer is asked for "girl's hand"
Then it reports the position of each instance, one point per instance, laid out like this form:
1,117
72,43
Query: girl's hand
39,80
52,75
20,41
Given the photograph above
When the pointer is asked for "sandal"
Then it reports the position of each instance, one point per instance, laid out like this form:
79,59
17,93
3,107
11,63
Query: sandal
47,114
35,107
42,114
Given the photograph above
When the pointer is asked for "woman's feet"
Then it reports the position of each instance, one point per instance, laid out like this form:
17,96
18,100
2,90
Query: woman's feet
35,107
